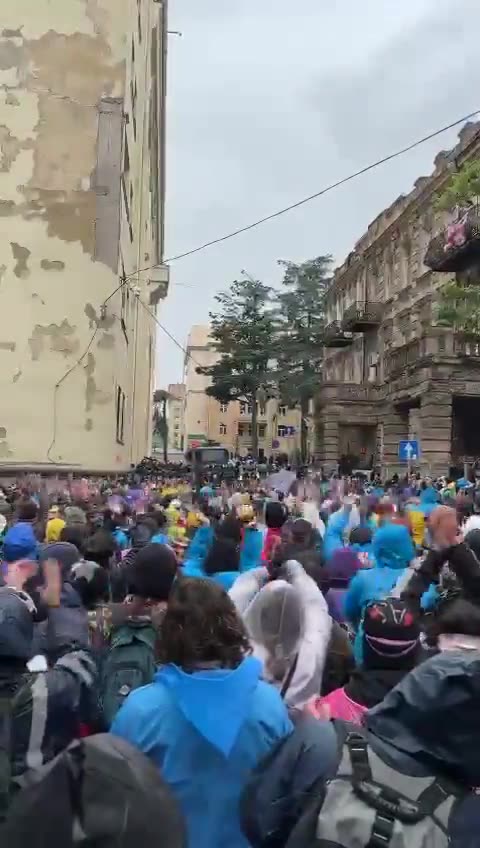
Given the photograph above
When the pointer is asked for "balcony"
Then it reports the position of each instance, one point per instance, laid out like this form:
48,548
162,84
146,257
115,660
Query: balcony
402,357
335,335
347,393
360,316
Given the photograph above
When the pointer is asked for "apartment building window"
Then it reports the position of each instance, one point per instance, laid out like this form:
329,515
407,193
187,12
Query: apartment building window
282,431
125,179
120,416
263,410
245,408
282,410
223,407
222,429
262,431
244,429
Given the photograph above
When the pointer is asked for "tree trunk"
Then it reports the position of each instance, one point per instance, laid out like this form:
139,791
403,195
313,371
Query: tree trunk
165,430
304,410
254,426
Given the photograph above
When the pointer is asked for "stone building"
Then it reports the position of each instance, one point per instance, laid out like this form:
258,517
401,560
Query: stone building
82,184
391,372
176,411
230,425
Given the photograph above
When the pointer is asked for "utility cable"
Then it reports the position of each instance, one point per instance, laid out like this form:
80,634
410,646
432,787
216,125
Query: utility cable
314,196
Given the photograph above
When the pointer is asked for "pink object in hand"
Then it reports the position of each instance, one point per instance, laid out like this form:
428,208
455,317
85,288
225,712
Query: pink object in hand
336,705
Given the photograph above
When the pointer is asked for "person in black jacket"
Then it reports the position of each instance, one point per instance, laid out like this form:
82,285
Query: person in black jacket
45,709
450,563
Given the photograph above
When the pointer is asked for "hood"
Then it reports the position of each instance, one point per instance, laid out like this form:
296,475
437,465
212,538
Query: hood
65,553
20,543
444,691
216,701
342,566
393,547
275,619
429,498
16,626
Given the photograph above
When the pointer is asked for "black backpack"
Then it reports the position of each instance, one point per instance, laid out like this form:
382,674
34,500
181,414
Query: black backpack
7,706
99,791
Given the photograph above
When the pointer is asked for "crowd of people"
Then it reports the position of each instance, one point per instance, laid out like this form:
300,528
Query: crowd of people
244,666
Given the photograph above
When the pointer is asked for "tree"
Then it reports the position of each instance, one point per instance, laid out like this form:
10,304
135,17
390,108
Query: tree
459,308
462,188
459,302
242,333
300,323
160,420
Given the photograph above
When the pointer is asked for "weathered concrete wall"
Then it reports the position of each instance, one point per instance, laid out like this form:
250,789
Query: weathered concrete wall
63,63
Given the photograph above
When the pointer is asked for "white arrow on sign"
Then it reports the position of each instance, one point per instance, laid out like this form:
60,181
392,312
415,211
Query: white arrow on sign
409,450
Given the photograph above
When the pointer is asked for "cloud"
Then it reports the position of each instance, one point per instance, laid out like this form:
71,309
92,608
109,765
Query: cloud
271,100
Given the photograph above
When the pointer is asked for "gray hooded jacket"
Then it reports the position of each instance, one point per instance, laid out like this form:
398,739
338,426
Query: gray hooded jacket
288,622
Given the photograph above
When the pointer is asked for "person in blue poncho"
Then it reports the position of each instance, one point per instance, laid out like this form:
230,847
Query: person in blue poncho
339,524
221,563
393,551
208,718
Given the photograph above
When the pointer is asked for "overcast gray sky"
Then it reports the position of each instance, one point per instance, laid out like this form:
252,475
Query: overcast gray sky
270,100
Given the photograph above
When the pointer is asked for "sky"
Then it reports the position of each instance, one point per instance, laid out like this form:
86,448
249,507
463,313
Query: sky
271,100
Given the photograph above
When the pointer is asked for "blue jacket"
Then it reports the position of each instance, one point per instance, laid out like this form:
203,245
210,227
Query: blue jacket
393,550
336,527
206,731
250,556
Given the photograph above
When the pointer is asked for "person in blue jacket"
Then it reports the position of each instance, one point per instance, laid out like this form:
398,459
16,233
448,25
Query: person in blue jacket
207,719
221,564
393,551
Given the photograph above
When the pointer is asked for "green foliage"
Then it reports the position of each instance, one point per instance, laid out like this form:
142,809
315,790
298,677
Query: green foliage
242,332
300,324
462,187
459,308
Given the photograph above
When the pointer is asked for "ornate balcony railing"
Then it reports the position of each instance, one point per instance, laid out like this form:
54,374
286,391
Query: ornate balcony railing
362,316
336,336
347,392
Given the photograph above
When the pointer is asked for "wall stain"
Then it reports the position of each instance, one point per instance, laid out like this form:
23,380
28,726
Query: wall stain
3,433
89,425
52,265
107,342
7,208
10,346
5,450
11,99
96,321
60,336
10,147
3,268
21,254
17,376
10,54
12,33
93,395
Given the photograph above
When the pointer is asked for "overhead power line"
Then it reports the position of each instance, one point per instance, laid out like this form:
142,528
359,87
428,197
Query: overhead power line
316,194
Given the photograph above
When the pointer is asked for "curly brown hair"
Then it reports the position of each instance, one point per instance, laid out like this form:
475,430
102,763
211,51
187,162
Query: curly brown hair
201,626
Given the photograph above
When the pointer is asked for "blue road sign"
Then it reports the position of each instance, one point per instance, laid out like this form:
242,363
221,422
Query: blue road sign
408,450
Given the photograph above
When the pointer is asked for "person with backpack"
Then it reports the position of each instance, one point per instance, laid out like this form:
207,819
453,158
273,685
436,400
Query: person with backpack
393,551
99,792
126,635
406,779
391,648
40,713
207,718
287,620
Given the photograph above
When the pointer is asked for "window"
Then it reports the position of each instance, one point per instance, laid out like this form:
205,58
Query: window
262,431
244,429
245,408
263,410
223,429
223,407
139,21
282,410
120,415
282,431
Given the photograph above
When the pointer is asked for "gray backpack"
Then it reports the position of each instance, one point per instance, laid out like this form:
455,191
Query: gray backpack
370,805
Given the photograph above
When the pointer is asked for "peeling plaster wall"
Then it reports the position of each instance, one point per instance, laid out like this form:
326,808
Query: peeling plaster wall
62,358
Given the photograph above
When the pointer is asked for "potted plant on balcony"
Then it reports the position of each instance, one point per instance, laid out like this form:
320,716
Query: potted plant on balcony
457,247
459,308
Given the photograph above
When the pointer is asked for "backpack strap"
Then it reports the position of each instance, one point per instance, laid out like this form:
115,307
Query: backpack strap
289,677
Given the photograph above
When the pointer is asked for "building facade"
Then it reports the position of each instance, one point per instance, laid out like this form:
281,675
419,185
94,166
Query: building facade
82,184
391,372
207,420
176,409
